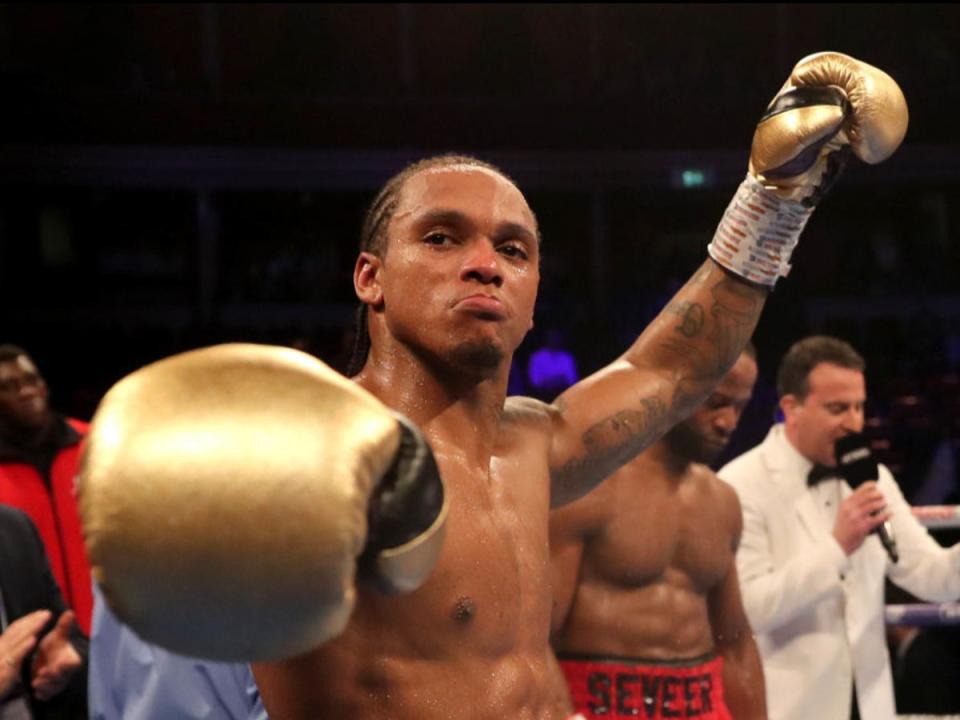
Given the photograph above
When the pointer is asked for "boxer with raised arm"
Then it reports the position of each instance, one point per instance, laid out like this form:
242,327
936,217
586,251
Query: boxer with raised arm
448,275
648,619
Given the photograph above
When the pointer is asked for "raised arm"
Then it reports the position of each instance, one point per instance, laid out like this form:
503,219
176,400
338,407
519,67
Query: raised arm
611,416
830,106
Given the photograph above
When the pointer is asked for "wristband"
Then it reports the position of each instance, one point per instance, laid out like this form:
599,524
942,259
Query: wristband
757,234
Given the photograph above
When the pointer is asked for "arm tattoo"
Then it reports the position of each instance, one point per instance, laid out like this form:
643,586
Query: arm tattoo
691,315
615,440
695,340
706,343
735,310
625,428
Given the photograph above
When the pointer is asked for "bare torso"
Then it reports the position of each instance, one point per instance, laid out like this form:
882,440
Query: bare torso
653,545
473,640
460,282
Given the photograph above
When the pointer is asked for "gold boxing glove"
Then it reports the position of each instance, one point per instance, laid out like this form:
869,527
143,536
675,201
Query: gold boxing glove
831,106
228,496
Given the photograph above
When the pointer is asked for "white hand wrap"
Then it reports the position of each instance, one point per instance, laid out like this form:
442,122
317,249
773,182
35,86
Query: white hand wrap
758,233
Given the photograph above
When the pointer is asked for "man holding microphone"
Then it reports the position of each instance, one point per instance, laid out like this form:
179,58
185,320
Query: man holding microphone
811,562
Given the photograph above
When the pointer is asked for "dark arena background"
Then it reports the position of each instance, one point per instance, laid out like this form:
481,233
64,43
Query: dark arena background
180,175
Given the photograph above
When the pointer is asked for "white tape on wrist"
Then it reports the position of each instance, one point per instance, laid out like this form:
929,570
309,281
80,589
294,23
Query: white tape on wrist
758,233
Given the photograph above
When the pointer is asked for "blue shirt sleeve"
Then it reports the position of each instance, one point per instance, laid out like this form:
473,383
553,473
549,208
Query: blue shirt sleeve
132,680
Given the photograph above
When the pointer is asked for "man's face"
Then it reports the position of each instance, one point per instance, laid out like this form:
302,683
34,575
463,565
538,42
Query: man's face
703,436
833,408
460,272
23,395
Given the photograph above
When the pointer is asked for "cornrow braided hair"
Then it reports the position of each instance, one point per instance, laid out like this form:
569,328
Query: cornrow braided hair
11,352
373,234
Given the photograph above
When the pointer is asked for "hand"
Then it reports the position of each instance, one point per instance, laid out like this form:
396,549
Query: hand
830,103
325,486
16,642
831,106
858,515
56,660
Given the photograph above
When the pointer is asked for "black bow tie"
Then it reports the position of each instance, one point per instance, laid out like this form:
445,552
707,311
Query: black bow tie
819,473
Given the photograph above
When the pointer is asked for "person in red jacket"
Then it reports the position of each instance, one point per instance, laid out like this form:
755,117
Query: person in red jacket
39,460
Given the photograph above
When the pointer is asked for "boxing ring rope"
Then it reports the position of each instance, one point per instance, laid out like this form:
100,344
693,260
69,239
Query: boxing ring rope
923,614
934,517
937,517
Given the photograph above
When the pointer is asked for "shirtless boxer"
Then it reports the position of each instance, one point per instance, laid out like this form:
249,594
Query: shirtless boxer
448,273
647,618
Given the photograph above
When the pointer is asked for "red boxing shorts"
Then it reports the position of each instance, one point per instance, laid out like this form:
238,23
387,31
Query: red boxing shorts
604,688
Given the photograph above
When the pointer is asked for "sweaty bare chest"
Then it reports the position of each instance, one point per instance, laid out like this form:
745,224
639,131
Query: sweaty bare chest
653,535
490,589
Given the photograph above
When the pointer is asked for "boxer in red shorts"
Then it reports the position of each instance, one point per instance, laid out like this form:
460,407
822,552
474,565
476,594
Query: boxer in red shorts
648,620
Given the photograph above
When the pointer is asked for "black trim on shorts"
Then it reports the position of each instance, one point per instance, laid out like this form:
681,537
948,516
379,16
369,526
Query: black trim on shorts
653,662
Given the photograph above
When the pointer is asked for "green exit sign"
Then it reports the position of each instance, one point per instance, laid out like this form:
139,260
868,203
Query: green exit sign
693,178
